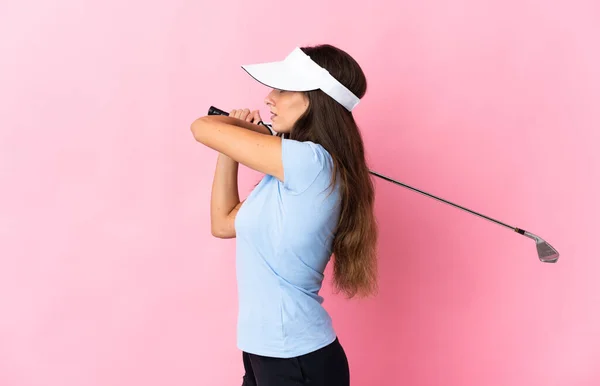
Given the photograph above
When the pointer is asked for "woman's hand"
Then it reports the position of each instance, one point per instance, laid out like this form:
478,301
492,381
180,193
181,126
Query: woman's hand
246,115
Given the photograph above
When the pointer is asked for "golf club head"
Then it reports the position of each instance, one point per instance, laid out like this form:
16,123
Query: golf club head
546,253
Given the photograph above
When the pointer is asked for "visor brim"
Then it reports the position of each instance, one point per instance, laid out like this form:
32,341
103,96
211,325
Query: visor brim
282,76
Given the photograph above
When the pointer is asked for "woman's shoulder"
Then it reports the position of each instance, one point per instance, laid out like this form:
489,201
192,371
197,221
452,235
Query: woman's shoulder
303,162
307,150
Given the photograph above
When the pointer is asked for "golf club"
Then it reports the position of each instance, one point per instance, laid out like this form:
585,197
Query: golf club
546,253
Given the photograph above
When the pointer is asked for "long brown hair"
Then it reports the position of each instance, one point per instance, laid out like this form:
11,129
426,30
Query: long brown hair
329,124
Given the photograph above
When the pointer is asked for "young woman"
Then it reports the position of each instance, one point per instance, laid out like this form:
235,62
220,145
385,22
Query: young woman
315,200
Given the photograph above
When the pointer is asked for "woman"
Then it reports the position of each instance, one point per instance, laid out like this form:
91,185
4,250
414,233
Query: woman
316,199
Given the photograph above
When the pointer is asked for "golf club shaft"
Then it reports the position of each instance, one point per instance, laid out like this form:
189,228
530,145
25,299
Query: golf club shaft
215,111
442,200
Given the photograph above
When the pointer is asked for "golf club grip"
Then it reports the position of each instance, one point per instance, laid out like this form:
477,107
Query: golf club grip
215,111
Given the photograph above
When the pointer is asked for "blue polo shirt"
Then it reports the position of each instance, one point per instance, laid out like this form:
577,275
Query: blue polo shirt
284,235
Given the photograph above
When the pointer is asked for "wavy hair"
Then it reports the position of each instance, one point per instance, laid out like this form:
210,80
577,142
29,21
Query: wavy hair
329,124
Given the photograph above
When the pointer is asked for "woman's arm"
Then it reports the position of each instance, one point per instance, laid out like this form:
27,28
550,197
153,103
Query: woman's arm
225,200
242,141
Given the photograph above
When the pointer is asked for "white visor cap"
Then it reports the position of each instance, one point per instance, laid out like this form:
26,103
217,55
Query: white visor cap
298,72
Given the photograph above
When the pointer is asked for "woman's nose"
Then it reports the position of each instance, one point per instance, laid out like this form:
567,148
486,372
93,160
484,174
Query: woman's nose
269,98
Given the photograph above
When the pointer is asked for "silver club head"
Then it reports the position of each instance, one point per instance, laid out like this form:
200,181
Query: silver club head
546,253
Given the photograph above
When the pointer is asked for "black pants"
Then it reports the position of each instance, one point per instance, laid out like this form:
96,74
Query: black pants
326,366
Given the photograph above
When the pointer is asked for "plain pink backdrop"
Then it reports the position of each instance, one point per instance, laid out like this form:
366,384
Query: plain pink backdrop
109,274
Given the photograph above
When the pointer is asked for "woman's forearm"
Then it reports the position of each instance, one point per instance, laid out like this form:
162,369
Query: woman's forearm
225,195
225,199
241,123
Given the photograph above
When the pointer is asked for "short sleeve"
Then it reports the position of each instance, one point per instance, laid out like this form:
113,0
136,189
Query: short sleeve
302,163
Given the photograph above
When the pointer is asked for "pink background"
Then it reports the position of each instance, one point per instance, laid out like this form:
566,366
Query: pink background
109,274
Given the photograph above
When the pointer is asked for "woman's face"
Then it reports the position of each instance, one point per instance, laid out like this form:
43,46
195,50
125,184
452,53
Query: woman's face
286,107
